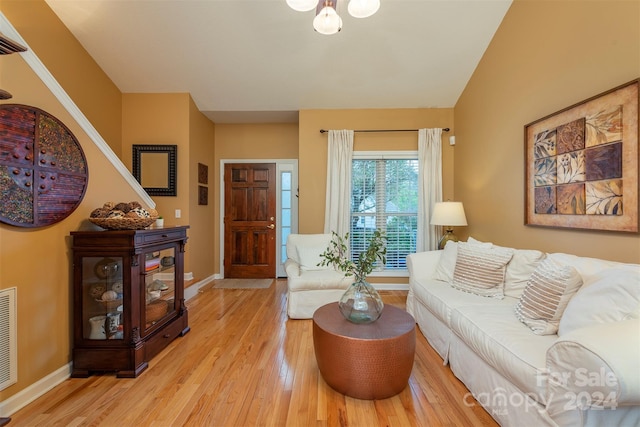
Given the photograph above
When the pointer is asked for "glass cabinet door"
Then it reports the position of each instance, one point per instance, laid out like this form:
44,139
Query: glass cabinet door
159,287
102,292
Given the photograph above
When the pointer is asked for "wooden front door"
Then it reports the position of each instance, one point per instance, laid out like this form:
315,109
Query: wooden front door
249,220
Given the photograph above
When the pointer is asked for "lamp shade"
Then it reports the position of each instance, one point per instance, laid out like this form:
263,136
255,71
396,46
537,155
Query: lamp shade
363,8
302,5
327,21
448,213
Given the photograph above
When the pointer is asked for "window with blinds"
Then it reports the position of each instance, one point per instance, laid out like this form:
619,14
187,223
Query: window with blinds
384,195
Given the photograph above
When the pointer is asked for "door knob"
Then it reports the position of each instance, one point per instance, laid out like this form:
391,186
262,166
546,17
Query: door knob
271,226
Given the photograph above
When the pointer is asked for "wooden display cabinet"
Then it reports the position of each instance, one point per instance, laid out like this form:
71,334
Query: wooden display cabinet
128,298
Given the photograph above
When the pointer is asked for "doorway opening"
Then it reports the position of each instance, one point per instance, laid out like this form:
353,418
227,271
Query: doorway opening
285,220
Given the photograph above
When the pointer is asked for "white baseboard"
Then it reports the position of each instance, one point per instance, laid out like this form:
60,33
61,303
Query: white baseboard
391,286
34,391
193,290
170,276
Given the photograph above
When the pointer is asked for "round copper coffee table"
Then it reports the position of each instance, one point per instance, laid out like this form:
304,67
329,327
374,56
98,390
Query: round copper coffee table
365,361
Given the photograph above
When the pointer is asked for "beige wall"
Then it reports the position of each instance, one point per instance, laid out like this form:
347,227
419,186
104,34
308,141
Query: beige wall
44,292
546,55
161,118
37,261
304,141
249,142
313,149
202,239
174,119
80,76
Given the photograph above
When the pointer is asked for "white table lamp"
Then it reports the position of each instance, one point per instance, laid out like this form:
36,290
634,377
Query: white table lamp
448,214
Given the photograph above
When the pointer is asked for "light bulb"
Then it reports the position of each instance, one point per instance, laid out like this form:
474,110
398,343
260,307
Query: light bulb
363,8
327,21
302,5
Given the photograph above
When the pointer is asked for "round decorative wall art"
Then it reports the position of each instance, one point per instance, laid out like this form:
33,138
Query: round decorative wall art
43,171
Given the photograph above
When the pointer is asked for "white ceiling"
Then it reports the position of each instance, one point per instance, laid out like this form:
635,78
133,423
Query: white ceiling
260,61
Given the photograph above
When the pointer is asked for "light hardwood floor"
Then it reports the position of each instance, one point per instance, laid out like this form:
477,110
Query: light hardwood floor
244,363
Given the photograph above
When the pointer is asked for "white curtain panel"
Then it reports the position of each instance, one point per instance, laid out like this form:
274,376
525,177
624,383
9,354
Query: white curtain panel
429,186
338,200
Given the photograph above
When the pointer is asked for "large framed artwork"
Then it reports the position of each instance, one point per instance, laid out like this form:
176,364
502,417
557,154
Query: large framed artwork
581,164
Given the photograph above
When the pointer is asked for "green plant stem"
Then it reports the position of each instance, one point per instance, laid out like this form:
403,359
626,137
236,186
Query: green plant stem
337,255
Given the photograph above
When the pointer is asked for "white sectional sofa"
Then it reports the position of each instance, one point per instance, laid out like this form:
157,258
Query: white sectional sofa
310,286
576,365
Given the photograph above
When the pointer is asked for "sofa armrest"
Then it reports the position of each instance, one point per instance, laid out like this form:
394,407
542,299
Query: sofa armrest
594,367
423,264
292,268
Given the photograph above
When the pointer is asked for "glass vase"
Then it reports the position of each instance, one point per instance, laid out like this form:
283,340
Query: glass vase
361,303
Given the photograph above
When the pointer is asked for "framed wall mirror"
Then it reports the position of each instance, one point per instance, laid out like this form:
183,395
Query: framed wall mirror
155,168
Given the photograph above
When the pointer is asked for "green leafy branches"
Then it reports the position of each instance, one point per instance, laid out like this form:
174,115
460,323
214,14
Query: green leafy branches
337,255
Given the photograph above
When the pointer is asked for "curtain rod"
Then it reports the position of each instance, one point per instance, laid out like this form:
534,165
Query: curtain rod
386,130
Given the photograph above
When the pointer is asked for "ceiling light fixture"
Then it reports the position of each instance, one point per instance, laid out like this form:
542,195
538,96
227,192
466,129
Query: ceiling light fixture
363,8
302,5
327,20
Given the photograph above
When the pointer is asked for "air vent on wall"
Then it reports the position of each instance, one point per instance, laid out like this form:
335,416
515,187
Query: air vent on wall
8,343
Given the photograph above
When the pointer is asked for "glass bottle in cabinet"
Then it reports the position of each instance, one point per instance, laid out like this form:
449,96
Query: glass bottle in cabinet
128,298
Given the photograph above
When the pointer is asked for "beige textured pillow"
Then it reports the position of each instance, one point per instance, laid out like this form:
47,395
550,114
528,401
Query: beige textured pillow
447,264
480,270
519,269
546,296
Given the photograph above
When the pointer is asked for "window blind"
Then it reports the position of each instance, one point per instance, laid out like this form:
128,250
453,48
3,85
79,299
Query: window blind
385,196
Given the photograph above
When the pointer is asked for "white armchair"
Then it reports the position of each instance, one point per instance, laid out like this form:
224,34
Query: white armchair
309,285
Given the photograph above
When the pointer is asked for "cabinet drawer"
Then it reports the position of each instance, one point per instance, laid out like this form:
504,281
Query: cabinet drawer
163,337
160,236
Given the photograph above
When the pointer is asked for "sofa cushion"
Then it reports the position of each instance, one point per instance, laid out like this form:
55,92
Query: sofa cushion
507,345
319,279
547,294
612,295
481,270
587,266
441,299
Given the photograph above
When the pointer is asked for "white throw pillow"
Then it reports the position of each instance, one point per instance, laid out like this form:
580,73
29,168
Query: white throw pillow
612,295
520,269
546,296
477,242
447,263
481,270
